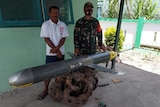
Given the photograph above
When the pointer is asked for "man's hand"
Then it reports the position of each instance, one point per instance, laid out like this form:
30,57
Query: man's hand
59,54
57,51
76,51
109,48
103,48
54,50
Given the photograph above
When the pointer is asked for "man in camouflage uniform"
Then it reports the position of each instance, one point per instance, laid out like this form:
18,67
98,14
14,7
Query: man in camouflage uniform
86,32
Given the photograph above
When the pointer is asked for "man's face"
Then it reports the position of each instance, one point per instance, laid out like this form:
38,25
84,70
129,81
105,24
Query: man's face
54,14
88,11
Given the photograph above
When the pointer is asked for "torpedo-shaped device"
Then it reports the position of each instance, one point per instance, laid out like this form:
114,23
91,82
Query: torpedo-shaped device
29,76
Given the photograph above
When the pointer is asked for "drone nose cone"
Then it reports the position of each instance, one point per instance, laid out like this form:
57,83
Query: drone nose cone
21,79
13,80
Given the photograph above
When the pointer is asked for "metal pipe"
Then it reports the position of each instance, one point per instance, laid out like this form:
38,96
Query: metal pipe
117,32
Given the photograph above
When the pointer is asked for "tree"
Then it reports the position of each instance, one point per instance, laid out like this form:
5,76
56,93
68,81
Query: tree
133,9
112,9
145,8
110,35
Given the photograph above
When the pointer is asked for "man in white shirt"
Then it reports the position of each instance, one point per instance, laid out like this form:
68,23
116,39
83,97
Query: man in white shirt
54,33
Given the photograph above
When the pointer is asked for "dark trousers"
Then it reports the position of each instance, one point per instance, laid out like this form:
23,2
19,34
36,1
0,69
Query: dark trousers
50,59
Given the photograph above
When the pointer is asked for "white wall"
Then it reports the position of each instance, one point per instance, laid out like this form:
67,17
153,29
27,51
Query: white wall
128,27
151,34
148,37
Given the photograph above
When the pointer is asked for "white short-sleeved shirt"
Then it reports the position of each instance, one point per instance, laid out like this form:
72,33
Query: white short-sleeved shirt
55,32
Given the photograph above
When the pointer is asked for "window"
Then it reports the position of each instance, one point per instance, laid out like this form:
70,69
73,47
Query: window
65,7
21,13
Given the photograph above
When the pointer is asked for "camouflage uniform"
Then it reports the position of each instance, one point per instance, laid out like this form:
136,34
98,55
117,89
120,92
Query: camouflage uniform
85,33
